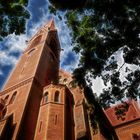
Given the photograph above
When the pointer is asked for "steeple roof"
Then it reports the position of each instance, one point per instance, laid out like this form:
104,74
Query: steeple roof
50,25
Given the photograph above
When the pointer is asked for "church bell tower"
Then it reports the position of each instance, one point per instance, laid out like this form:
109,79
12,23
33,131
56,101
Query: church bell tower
40,60
35,103
22,94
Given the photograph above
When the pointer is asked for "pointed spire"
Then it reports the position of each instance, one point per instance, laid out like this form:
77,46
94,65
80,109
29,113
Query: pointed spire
47,27
51,25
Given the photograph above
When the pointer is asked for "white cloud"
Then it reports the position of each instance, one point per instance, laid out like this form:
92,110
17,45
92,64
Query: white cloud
11,44
6,60
63,31
72,65
97,86
65,41
16,43
64,37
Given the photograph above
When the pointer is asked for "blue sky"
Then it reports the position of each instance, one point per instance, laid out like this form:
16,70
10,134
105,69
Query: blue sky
13,45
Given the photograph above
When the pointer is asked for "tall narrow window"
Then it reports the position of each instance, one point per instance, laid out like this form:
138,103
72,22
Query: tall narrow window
56,97
6,99
13,97
40,126
45,100
55,121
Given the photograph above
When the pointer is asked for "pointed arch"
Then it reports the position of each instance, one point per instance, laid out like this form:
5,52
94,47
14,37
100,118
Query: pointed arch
6,99
40,126
13,97
46,97
35,41
31,51
57,96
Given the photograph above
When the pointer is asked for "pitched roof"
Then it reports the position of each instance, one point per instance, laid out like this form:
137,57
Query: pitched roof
123,113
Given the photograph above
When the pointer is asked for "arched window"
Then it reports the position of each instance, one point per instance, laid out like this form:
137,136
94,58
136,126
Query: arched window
36,41
45,100
40,127
56,97
13,97
31,51
6,98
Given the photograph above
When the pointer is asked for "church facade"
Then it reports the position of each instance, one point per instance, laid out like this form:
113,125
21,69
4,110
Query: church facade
39,101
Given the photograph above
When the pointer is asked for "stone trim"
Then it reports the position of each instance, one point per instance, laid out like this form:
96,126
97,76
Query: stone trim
128,125
79,104
60,86
28,48
52,103
18,85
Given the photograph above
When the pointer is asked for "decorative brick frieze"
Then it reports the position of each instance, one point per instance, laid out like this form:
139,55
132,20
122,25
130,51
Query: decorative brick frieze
17,85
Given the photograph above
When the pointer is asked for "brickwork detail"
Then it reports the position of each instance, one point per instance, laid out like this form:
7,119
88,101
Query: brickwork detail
40,102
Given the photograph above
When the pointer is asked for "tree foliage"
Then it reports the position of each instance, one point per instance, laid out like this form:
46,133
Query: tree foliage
98,32
13,15
67,3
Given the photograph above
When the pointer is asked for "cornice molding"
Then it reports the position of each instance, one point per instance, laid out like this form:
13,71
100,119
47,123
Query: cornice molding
128,125
31,79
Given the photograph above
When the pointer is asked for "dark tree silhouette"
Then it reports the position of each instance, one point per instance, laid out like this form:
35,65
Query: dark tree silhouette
100,30
13,15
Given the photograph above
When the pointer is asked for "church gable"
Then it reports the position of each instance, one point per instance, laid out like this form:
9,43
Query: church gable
123,113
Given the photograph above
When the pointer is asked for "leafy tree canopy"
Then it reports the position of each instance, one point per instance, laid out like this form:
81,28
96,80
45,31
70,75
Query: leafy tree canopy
68,4
13,15
97,33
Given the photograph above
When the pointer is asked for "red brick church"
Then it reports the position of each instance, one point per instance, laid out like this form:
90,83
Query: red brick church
38,101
